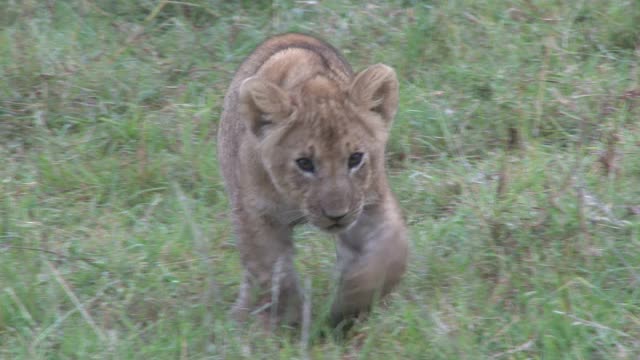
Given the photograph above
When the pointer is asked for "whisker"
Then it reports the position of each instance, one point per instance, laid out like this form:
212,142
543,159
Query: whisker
371,202
292,216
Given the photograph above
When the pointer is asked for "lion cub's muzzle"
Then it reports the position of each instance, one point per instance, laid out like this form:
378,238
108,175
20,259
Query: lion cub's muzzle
335,222
335,207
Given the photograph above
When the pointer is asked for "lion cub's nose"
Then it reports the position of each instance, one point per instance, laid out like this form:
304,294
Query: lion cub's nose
333,216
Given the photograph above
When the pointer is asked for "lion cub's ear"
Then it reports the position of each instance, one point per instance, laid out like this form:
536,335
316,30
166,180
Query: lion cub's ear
264,103
376,88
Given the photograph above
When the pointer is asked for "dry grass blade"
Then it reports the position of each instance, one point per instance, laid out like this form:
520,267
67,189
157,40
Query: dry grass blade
61,319
156,11
522,347
23,309
76,302
592,324
306,318
276,279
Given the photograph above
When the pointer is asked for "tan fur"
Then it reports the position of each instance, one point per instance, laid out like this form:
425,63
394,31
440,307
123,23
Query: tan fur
296,97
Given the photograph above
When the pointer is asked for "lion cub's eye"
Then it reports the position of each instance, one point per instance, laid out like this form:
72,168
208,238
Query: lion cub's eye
305,164
355,159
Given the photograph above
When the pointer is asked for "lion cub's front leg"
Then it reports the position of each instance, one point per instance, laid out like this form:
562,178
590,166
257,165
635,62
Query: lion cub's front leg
269,280
372,257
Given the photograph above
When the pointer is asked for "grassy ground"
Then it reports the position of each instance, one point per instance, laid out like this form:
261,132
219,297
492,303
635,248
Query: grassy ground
515,154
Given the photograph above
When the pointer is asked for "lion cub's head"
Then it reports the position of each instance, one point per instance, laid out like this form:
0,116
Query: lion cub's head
322,142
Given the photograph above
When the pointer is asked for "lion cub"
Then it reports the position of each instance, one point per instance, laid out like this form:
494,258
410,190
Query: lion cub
302,139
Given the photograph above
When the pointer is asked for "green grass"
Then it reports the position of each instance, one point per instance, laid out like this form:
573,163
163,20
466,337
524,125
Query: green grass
515,155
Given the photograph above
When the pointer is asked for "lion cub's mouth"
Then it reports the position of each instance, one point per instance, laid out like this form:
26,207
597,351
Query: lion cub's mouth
336,227
333,226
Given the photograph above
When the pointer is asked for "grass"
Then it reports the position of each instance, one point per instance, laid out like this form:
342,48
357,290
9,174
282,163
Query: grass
514,155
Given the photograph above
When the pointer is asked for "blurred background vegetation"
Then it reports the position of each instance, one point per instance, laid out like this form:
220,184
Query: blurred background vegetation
515,154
